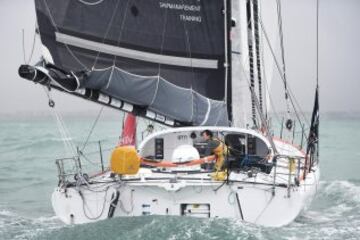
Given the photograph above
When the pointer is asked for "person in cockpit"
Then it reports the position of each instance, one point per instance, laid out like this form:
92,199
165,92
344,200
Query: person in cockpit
215,147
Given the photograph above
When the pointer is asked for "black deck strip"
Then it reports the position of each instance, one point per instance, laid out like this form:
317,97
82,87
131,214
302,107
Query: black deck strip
239,206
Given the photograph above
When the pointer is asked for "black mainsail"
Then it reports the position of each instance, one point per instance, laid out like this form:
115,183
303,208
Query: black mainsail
166,60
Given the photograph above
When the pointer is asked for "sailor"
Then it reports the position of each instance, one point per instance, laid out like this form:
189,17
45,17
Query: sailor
215,146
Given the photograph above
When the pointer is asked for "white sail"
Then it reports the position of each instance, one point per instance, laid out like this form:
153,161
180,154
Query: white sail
269,22
240,58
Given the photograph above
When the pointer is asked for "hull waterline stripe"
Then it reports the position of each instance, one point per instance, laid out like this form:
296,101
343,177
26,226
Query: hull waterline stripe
135,54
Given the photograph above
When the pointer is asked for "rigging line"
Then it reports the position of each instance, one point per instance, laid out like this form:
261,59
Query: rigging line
266,89
32,48
85,203
122,207
268,96
268,99
88,159
106,32
66,139
188,49
163,39
65,134
287,90
228,57
281,36
121,28
251,58
245,75
23,45
317,43
298,107
273,105
161,51
122,127
278,68
66,45
317,74
92,128
97,151
263,120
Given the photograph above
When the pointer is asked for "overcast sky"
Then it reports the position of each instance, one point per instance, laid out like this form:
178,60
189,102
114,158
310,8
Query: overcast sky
339,57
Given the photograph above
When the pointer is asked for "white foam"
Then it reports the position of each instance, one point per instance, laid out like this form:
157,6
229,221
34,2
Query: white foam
20,227
5,212
348,190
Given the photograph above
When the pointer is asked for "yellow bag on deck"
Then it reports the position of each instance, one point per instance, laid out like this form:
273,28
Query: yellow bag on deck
219,176
125,161
292,165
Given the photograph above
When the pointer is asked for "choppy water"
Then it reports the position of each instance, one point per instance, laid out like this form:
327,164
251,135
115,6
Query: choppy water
28,148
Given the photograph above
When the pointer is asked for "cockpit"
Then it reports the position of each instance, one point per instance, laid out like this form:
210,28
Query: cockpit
245,148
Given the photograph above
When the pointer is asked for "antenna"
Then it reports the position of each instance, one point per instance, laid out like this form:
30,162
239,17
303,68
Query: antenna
317,43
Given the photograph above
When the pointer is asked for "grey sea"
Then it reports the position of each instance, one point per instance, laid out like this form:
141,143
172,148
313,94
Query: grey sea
28,175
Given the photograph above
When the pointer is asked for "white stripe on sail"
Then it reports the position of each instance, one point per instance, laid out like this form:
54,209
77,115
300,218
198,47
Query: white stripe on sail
135,54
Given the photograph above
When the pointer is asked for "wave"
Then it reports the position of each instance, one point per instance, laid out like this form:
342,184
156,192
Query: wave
340,192
14,226
153,227
35,145
53,142
334,214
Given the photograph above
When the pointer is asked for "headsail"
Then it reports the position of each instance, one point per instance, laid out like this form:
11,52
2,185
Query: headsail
167,60
312,149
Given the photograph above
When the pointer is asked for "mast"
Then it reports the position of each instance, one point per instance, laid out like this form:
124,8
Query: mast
257,51
228,90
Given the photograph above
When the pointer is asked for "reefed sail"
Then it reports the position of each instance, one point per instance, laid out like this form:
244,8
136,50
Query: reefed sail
164,57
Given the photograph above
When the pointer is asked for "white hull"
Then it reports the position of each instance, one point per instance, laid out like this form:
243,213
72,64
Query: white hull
258,199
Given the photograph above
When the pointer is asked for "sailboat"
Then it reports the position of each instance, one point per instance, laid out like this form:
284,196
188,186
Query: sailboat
197,67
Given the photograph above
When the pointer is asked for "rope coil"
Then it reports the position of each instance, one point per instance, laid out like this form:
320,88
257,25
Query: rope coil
167,164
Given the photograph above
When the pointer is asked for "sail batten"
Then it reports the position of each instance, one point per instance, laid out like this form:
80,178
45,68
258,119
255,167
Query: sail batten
135,54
